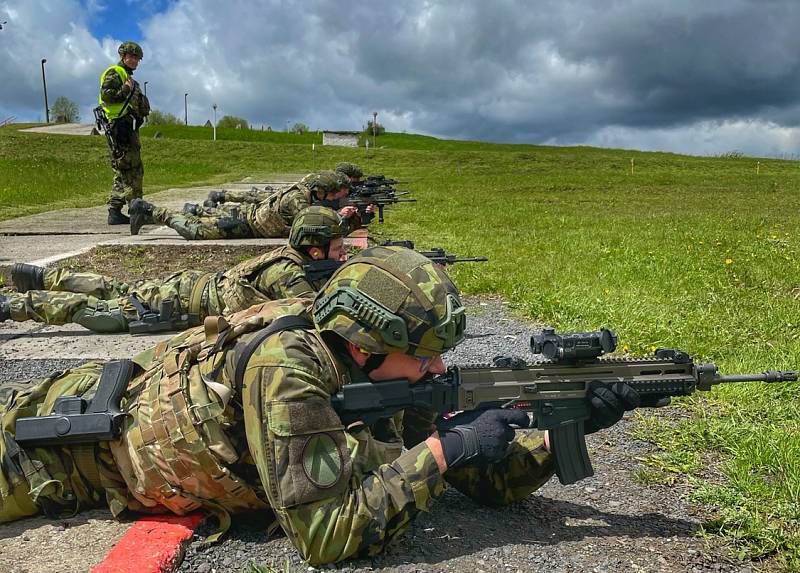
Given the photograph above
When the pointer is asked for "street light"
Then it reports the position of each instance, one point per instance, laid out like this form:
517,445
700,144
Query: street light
145,89
215,121
44,83
374,128
185,109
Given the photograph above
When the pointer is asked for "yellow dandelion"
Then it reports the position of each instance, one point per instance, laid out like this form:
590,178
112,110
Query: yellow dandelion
605,290
728,261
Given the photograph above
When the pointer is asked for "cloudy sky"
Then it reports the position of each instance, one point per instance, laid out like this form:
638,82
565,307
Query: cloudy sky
694,77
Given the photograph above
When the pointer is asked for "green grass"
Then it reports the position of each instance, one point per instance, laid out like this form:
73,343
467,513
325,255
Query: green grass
695,253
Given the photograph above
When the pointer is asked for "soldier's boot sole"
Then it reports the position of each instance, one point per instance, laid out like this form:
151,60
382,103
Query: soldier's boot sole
27,277
190,208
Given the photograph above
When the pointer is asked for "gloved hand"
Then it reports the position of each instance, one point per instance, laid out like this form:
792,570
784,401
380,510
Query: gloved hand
479,435
608,403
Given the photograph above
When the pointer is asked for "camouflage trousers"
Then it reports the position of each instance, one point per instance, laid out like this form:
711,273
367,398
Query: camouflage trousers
57,481
222,224
232,199
128,175
101,303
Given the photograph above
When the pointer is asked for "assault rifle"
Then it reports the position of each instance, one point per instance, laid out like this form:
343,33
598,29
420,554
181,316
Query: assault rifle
553,390
102,123
379,200
436,254
324,268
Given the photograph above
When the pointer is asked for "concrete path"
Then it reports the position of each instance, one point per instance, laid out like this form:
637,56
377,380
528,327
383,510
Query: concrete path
66,129
47,237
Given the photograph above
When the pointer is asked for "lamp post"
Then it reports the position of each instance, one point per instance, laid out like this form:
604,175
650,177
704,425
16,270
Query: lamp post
44,83
215,121
185,109
145,89
374,127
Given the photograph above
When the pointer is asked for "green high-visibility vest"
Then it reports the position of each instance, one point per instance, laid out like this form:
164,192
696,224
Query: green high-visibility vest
114,110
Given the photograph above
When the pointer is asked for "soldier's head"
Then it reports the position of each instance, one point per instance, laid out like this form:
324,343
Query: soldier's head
328,185
319,232
130,53
393,312
351,170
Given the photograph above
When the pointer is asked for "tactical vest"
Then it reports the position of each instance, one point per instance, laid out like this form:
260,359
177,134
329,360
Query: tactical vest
114,110
236,288
267,219
174,451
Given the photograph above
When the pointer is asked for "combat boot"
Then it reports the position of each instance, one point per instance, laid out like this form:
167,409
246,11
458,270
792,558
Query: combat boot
5,309
141,213
191,208
27,277
214,198
116,217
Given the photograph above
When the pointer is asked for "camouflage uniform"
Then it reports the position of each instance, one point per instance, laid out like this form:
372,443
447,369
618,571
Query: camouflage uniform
196,439
128,168
103,304
269,218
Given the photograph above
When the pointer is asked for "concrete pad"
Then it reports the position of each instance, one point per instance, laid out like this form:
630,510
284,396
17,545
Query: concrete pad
66,129
76,230
35,341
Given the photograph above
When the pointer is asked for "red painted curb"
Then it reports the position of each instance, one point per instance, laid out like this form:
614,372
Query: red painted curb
154,544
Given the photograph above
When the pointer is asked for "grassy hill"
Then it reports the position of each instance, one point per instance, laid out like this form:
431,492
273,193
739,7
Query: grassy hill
694,253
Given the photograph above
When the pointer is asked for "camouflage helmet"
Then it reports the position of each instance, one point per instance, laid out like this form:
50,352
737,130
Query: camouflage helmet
130,48
349,169
392,300
326,182
315,227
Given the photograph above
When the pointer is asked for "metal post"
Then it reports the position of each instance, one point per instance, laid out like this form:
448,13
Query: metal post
185,109
145,89
374,127
215,121
44,83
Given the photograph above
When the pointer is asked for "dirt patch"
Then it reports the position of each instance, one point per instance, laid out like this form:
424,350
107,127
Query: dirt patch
138,262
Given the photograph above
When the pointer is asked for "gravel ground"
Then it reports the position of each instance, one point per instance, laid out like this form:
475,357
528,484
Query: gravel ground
607,523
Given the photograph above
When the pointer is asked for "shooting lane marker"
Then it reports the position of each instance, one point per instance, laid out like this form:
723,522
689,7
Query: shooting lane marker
154,544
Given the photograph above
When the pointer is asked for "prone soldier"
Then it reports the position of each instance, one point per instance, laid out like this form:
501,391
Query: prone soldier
270,218
237,416
185,298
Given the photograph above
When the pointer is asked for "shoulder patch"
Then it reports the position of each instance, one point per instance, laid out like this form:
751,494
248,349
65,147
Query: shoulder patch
322,460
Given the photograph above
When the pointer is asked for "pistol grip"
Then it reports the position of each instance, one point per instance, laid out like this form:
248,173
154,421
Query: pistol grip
568,445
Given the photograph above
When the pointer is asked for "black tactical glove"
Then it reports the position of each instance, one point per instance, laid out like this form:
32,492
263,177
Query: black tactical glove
479,435
608,404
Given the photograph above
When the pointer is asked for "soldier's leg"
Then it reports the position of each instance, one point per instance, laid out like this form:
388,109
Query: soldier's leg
245,196
128,175
92,284
199,228
67,307
52,479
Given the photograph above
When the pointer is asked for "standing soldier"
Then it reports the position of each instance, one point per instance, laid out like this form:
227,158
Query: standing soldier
105,304
125,107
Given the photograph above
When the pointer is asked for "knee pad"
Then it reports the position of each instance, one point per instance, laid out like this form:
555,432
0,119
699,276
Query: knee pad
103,316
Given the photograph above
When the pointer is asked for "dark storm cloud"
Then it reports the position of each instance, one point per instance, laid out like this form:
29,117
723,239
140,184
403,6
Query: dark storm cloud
626,73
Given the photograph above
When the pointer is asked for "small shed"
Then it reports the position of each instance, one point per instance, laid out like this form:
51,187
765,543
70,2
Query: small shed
341,138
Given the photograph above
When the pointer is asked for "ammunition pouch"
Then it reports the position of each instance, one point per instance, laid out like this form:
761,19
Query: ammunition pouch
103,316
77,421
